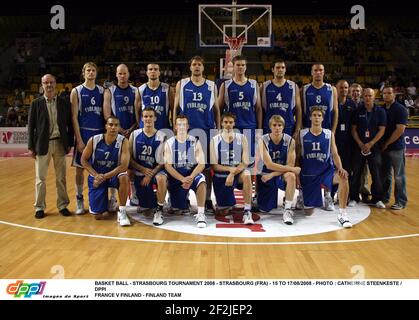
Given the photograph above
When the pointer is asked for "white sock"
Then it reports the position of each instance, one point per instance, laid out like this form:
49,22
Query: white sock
342,211
122,208
133,190
113,193
79,189
247,207
201,210
288,204
327,194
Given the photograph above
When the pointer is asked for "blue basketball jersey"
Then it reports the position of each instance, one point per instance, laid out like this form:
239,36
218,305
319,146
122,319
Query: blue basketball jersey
90,108
279,101
315,152
323,98
183,154
228,154
277,152
147,150
241,101
159,100
197,103
106,157
122,105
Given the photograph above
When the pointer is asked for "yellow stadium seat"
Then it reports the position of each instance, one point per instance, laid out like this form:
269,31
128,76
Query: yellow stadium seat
34,87
306,79
59,87
359,79
261,78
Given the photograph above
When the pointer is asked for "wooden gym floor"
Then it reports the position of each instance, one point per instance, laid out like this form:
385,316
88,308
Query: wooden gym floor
31,248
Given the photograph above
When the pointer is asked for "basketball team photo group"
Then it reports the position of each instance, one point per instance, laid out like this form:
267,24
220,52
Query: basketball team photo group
263,138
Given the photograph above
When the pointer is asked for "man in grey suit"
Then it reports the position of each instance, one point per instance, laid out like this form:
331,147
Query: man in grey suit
51,135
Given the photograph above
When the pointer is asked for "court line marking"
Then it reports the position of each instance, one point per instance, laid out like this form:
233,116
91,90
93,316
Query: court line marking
207,242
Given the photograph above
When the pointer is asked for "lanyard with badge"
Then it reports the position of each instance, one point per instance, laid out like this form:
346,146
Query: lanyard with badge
368,119
367,132
342,116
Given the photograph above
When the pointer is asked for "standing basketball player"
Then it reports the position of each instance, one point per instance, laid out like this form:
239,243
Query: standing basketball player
278,153
88,120
146,148
281,97
106,158
229,159
184,162
318,157
123,101
321,94
157,95
196,97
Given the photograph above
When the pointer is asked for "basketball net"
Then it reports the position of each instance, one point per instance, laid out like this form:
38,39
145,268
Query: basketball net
236,45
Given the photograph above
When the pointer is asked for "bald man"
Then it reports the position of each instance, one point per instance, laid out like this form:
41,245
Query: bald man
51,135
321,94
122,100
368,127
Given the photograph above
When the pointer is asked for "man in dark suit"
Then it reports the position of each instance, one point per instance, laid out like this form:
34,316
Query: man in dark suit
51,135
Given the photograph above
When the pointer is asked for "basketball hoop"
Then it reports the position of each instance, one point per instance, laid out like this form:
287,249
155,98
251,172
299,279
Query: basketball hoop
236,45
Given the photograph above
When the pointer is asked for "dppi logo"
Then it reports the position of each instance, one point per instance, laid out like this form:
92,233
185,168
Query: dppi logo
6,136
27,290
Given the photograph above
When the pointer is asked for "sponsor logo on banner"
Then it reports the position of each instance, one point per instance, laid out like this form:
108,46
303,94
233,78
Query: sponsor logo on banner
6,135
26,290
9,136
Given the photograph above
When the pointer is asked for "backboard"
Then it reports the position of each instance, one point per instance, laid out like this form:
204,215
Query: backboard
219,22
